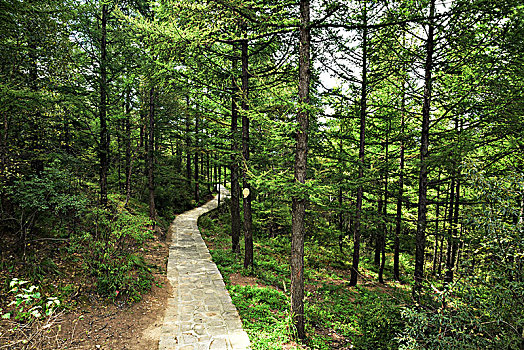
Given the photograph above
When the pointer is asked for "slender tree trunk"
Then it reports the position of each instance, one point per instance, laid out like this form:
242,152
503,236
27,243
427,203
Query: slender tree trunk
119,134
385,213
219,183
437,217
448,276
299,203
178,156
362,141
235,189
420,239
442,236
247,196
150,154
128,143
377,234
197,144
453,247
188,145
453,216
380,231
208,173
215,173
104,134
398,220
3,148
340,215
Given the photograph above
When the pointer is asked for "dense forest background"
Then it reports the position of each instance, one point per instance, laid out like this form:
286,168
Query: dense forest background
388,135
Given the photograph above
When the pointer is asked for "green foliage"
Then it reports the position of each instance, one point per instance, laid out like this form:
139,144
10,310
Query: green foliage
48,191
366,318
265,315
451,322
28,303
44,200
483,307
369,318
107,254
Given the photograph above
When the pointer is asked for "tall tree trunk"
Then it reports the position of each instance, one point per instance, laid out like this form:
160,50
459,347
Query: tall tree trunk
119,134
150,154
104,134
398,219
247,196
188,145
4,149
437,218
219,183
385,213
448,276
442,236
235,189
380,231
420,239
453,216
178,156
215,172
340,203
128,144
362,142
453,239
197,144
208,173
299,203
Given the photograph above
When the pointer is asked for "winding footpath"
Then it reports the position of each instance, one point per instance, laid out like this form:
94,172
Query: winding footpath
199,314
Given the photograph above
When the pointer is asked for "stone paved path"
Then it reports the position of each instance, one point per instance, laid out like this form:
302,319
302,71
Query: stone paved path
199,314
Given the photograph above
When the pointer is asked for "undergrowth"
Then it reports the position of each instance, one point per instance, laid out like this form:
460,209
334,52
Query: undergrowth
337,316
100,258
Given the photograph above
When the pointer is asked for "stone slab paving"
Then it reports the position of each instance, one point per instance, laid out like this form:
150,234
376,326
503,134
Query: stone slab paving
199,314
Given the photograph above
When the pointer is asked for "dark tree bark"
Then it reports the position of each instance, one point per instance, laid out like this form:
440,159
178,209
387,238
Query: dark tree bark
448,274
385,212
188,145
340,205
453,218
453,240
235,189
398,220
420,239
437,234
299,202
3,146
104,134
128,144
362,142
380,232
197,182
150,154
178,156
442,236
208,173
215,172
219,183
247,196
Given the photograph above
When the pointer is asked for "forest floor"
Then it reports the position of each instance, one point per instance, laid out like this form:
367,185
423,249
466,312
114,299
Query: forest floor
338,316
91,322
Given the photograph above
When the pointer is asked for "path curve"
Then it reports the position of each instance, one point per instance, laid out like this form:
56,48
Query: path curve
199,313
